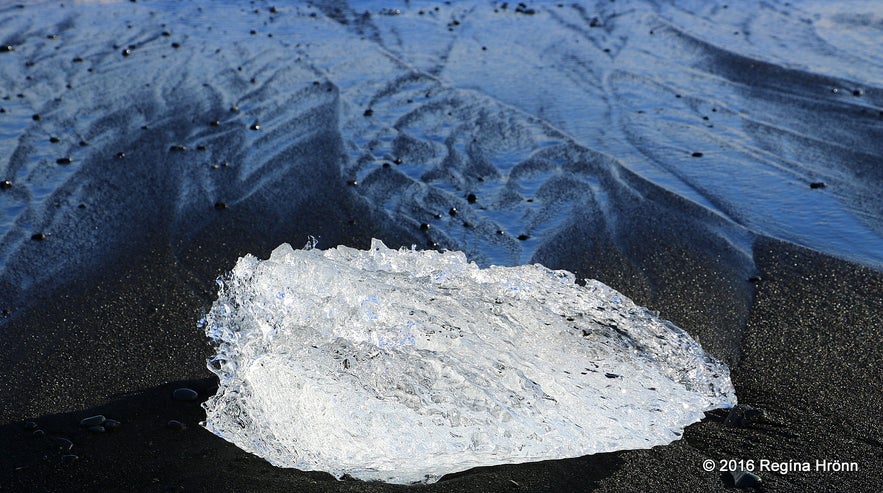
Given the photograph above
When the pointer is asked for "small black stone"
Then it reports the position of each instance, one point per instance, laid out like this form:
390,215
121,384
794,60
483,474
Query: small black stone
177,148
523,237
697,154
234,109
368,112
500,232
78,60
36,117
453,211
176,45
255,126
744,479
61,443
54,140
352,183
612,375
219,206
176,425
5,184
471,198
386,165
51,36
857,92
817,184
96,420
437,216
121,155
201,148
6,48
165,34
38,236
81,206
273,10
184,394
742,415
424,227
127,52
398,160
215,123
2,110
64,160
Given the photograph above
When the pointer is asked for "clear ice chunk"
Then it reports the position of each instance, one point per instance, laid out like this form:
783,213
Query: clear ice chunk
405,365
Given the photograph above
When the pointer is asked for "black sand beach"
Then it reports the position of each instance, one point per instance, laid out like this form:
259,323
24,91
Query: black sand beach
809,357
147,146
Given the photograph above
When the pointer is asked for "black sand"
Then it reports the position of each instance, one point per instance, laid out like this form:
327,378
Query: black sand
118,344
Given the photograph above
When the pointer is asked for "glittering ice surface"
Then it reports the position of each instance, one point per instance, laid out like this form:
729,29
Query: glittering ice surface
404,365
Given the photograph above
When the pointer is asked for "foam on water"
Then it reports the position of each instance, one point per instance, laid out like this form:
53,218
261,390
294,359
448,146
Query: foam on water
405,365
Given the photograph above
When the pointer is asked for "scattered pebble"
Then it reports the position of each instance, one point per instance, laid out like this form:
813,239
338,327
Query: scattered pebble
219,206
127,52
54,140
62,444
612,375
121,155
424,227
471,198
36,117
523,237
215,123
745,479
5,184
817,184
453,211
234,109
96,420
38,236
368,112
177,148
7,48
742,415
64,160
697,154
255,126
352,183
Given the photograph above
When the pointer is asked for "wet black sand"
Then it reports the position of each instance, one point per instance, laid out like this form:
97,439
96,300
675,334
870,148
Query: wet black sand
121,341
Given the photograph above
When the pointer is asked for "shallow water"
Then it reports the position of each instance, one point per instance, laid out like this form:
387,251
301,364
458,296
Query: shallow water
569,124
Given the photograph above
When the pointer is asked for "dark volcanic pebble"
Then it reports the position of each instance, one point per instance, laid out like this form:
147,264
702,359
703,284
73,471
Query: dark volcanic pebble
93,420
36,117
215,123
742,415
352,183
424,227
54,140
38,236
176,425
471,198
219,206
817,184
453,211
84,143
255,126
5,184
184,393
6,48
523,237
745,479
177,148
64,160
127,52
61,443
368,112
697,154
